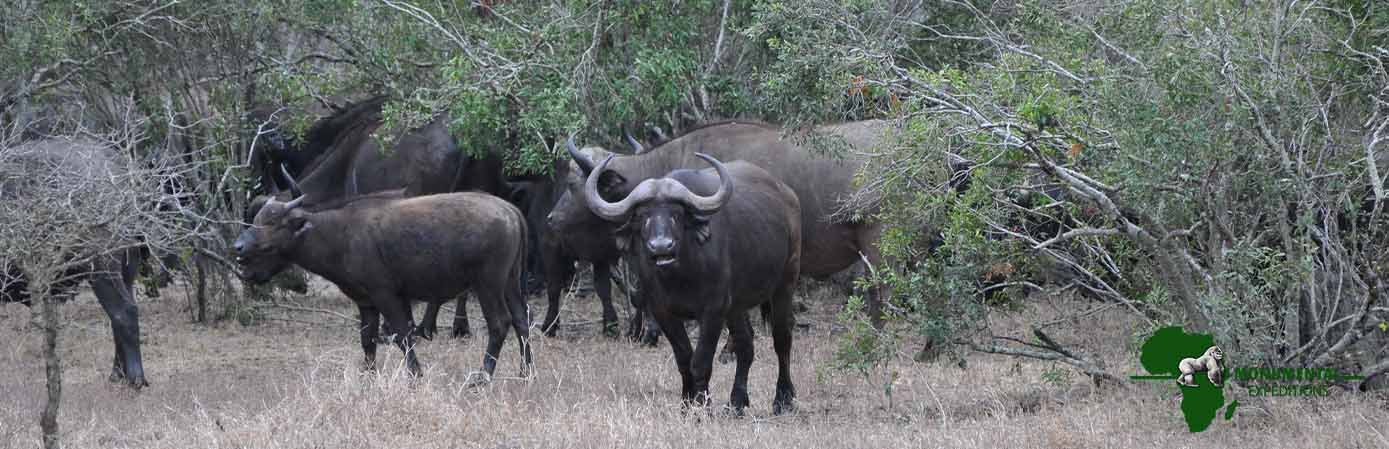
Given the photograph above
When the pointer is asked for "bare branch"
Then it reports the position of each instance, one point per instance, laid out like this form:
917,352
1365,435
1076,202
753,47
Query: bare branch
1082,232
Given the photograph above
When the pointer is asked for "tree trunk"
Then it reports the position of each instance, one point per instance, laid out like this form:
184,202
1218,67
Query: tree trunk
200,265
1306,327
48,422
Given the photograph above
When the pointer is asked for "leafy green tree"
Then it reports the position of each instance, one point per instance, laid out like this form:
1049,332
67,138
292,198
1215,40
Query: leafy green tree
1208,164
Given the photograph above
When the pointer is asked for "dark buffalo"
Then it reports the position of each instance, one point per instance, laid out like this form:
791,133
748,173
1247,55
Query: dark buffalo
275,153
383,251
709,245
822,182
560,246
111,276
422,161
345,161
560,249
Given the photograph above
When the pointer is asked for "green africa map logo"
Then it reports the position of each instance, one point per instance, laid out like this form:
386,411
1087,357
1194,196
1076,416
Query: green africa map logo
1199,368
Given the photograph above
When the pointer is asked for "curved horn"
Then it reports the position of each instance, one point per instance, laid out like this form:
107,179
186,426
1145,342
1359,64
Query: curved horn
708,205
293,186
636,146
296,202
612,211
583,160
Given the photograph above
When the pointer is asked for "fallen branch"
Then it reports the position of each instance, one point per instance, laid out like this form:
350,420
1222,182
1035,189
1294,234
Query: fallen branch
1049,350
308,309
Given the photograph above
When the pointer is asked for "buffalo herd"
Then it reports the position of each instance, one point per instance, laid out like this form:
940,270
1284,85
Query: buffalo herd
712,223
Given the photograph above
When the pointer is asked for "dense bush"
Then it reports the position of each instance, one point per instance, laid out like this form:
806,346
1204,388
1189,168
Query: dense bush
1211,164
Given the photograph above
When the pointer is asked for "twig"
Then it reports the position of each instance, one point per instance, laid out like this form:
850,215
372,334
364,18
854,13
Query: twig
1087,367
1081,232
308,309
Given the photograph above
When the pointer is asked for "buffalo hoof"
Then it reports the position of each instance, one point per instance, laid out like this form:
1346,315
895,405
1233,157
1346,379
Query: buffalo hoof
611,330
651,339
727,356
634,333
551,331
737,403
461,332
136,383
426,332
700,401
783,407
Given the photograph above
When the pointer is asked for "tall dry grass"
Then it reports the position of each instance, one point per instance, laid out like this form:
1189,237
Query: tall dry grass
281,384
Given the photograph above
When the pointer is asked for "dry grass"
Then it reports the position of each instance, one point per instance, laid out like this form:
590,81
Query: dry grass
282,384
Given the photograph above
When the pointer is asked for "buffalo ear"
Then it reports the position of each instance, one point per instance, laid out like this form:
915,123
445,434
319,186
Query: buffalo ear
622,236
299,221
699,224
256,205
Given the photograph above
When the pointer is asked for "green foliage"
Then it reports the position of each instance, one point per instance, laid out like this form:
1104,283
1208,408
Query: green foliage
1165,110
1057,376
862,348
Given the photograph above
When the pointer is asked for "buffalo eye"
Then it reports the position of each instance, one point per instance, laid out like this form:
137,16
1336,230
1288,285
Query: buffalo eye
699,224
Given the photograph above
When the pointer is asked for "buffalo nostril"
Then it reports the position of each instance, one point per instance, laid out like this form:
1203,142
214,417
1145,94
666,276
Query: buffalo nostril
661,245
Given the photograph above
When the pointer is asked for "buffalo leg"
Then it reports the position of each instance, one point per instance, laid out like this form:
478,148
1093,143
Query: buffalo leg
652,335
740,337
460,318
643,326
680,346
429,323
397,312
497,315
521,322
711,325
782,322
873,257
117,299
558,271
730,352
634,324
371,324
602,283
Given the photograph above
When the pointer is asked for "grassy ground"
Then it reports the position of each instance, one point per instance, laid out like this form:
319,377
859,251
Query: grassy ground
297,384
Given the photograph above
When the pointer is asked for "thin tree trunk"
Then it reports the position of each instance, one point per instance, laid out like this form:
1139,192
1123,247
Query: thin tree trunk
200,265
48,422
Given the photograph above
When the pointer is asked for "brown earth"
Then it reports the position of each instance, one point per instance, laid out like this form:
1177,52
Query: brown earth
297,384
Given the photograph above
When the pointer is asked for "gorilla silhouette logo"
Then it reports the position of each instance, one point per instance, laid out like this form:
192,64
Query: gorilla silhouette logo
1208,362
